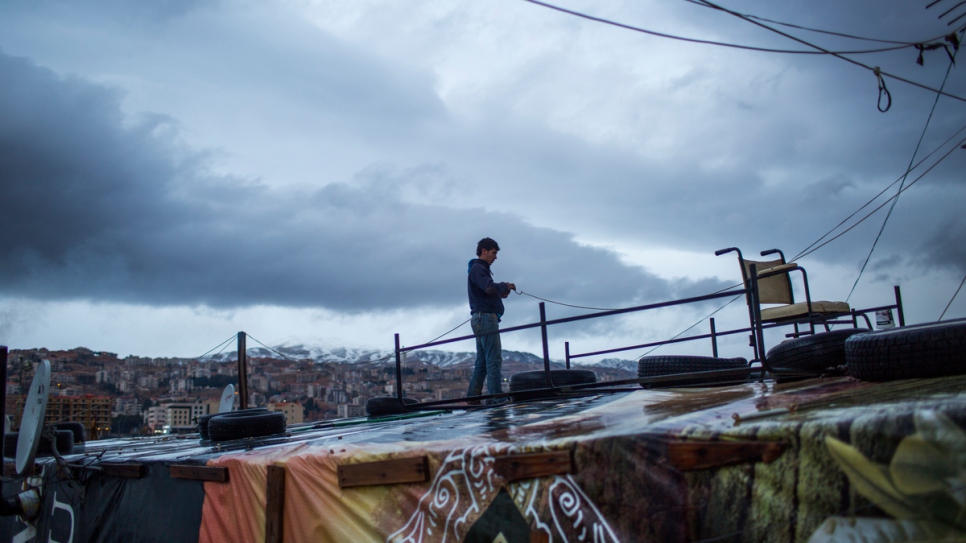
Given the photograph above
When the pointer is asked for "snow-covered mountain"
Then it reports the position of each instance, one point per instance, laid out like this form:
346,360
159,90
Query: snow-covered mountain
360,355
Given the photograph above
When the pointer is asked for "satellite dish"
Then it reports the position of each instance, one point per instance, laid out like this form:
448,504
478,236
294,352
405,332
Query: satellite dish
32,422
227,399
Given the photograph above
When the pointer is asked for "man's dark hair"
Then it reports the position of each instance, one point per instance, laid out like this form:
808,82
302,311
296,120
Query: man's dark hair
486,244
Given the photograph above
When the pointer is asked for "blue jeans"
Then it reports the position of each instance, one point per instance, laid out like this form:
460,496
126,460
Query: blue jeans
489,355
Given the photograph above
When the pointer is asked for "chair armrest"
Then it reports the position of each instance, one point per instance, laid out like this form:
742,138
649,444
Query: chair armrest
775,270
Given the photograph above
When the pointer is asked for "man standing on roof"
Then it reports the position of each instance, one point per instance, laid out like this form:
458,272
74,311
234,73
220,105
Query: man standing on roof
486,308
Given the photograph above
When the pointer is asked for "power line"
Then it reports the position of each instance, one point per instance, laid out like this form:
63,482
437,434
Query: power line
838,34
916,180
806,250
709,42
952,62
953,298
876,70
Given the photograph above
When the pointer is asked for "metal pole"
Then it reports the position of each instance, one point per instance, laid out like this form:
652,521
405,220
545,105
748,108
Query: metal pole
543,337
399,392
902,316
567,353
3,391
714,340
759,331
242,371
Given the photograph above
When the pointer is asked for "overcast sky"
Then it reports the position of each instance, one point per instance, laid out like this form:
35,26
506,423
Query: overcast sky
172,172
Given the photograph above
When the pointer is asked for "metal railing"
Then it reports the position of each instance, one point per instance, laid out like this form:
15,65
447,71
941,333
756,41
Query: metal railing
755,331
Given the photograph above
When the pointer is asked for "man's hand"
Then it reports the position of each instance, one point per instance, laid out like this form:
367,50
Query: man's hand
512,288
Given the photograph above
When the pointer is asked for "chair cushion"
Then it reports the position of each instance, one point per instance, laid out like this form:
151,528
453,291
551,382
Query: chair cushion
800,309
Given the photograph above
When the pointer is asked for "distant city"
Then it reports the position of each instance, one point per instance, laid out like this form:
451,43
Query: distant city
140,395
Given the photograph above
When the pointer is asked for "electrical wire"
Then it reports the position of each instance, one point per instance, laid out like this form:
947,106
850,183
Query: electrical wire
839,55
953,298
709,42
831,33
806,250
952,62
916,180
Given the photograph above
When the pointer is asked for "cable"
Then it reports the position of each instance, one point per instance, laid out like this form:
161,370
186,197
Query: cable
953,298
912,159
286,357
708,316
710,42
916,180
805,251
213,348
563,304
830,33
450,332
875,70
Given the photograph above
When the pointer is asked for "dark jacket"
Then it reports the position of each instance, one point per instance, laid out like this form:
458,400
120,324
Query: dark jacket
485,295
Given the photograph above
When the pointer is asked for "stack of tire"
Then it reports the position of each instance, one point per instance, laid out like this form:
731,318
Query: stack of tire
658,366
927,350
243,424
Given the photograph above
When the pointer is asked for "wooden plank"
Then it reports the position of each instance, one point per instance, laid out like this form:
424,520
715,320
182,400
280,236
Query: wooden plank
274,504
132,471
695,455
529,466
200,473
385,472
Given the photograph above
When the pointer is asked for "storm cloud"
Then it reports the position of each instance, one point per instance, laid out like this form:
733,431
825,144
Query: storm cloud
347,156
101,208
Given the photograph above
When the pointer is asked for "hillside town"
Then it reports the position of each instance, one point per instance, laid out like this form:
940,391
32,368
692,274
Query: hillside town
140,395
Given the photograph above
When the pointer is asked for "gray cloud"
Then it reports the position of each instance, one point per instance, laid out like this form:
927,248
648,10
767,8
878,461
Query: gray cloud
101,209
106,206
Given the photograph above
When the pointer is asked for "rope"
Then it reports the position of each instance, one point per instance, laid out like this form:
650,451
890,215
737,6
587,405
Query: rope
912,160
883,91
519,292
953,298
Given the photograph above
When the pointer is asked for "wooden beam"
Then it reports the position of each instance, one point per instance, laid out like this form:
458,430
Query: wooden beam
530,466
385,472
200,473
132,471
695,455
274,504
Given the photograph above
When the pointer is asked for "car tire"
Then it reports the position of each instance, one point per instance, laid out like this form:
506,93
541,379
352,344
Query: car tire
656,366
815,353
932,350
76,429
245,424
537,379
383,406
